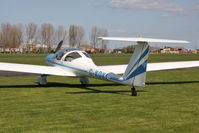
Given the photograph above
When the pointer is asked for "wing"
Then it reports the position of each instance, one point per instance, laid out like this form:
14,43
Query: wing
171,65
148,40
36,69
120,69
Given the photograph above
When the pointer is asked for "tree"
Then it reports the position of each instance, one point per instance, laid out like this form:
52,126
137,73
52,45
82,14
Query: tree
31,30
129,49
80,35
72,36
76,35
15,36
95,33
5,29
20,33
11,35
94,36
104,33
60,34
47,32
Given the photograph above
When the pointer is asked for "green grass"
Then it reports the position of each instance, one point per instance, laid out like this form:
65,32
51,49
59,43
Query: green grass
168,104
99,59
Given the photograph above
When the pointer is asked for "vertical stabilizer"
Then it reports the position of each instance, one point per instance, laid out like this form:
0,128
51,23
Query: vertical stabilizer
135,73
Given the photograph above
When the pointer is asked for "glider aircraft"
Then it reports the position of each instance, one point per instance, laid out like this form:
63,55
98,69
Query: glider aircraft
74,62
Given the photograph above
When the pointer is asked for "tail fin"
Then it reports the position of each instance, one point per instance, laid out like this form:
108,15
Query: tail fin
135,73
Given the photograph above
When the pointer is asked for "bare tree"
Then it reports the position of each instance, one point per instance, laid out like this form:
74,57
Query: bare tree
60,34
13,41
31,30
76,35
93,36
72,35
5,29
11,35
95,33
80,35
47,31
20,33
104,33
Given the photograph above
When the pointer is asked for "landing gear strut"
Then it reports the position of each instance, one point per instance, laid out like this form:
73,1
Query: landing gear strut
84,81
42,80
133,91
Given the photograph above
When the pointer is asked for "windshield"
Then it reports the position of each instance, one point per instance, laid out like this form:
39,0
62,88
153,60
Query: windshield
60,54
72,56
87,55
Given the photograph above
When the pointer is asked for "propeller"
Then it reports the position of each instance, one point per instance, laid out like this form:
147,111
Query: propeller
59,46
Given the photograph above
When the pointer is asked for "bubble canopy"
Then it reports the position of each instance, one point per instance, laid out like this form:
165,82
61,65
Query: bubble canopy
72,53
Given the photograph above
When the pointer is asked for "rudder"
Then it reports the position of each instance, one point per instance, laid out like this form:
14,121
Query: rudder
135,73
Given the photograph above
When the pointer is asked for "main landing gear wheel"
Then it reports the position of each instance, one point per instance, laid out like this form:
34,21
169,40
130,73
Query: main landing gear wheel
42,80
133,91
84,81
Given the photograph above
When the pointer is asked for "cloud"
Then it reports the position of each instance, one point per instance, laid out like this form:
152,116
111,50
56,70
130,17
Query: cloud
155,5
146,5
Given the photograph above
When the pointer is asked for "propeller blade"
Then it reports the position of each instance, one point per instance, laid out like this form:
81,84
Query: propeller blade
59,46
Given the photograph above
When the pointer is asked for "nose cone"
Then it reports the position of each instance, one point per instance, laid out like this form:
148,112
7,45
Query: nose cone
49,57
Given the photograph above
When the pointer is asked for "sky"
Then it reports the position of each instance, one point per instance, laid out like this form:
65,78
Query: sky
167,19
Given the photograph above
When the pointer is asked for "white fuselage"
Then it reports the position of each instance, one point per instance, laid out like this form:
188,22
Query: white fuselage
81,67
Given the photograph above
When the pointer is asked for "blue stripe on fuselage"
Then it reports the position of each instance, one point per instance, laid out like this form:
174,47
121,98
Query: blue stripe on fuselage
141,69
141,57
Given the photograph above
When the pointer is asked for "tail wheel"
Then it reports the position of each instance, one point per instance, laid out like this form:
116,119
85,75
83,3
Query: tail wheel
133,91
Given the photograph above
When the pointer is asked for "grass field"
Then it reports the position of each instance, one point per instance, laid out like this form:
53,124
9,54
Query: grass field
168,104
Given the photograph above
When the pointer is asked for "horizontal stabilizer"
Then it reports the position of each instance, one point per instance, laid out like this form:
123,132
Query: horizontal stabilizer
120,69
139,40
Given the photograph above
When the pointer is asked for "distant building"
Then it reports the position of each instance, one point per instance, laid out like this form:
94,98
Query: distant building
29,48
119,50
192,51
110,51
174,50
155,50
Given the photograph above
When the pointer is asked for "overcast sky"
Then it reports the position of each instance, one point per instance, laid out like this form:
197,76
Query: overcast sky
168,19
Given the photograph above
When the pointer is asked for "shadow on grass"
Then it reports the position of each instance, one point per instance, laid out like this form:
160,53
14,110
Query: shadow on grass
89,89
54,84
175,82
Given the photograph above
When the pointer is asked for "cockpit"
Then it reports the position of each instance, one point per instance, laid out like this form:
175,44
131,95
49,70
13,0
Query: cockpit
70,54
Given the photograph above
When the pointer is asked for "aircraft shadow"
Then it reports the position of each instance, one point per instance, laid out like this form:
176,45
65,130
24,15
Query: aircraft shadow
89,89
175,82
54,84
